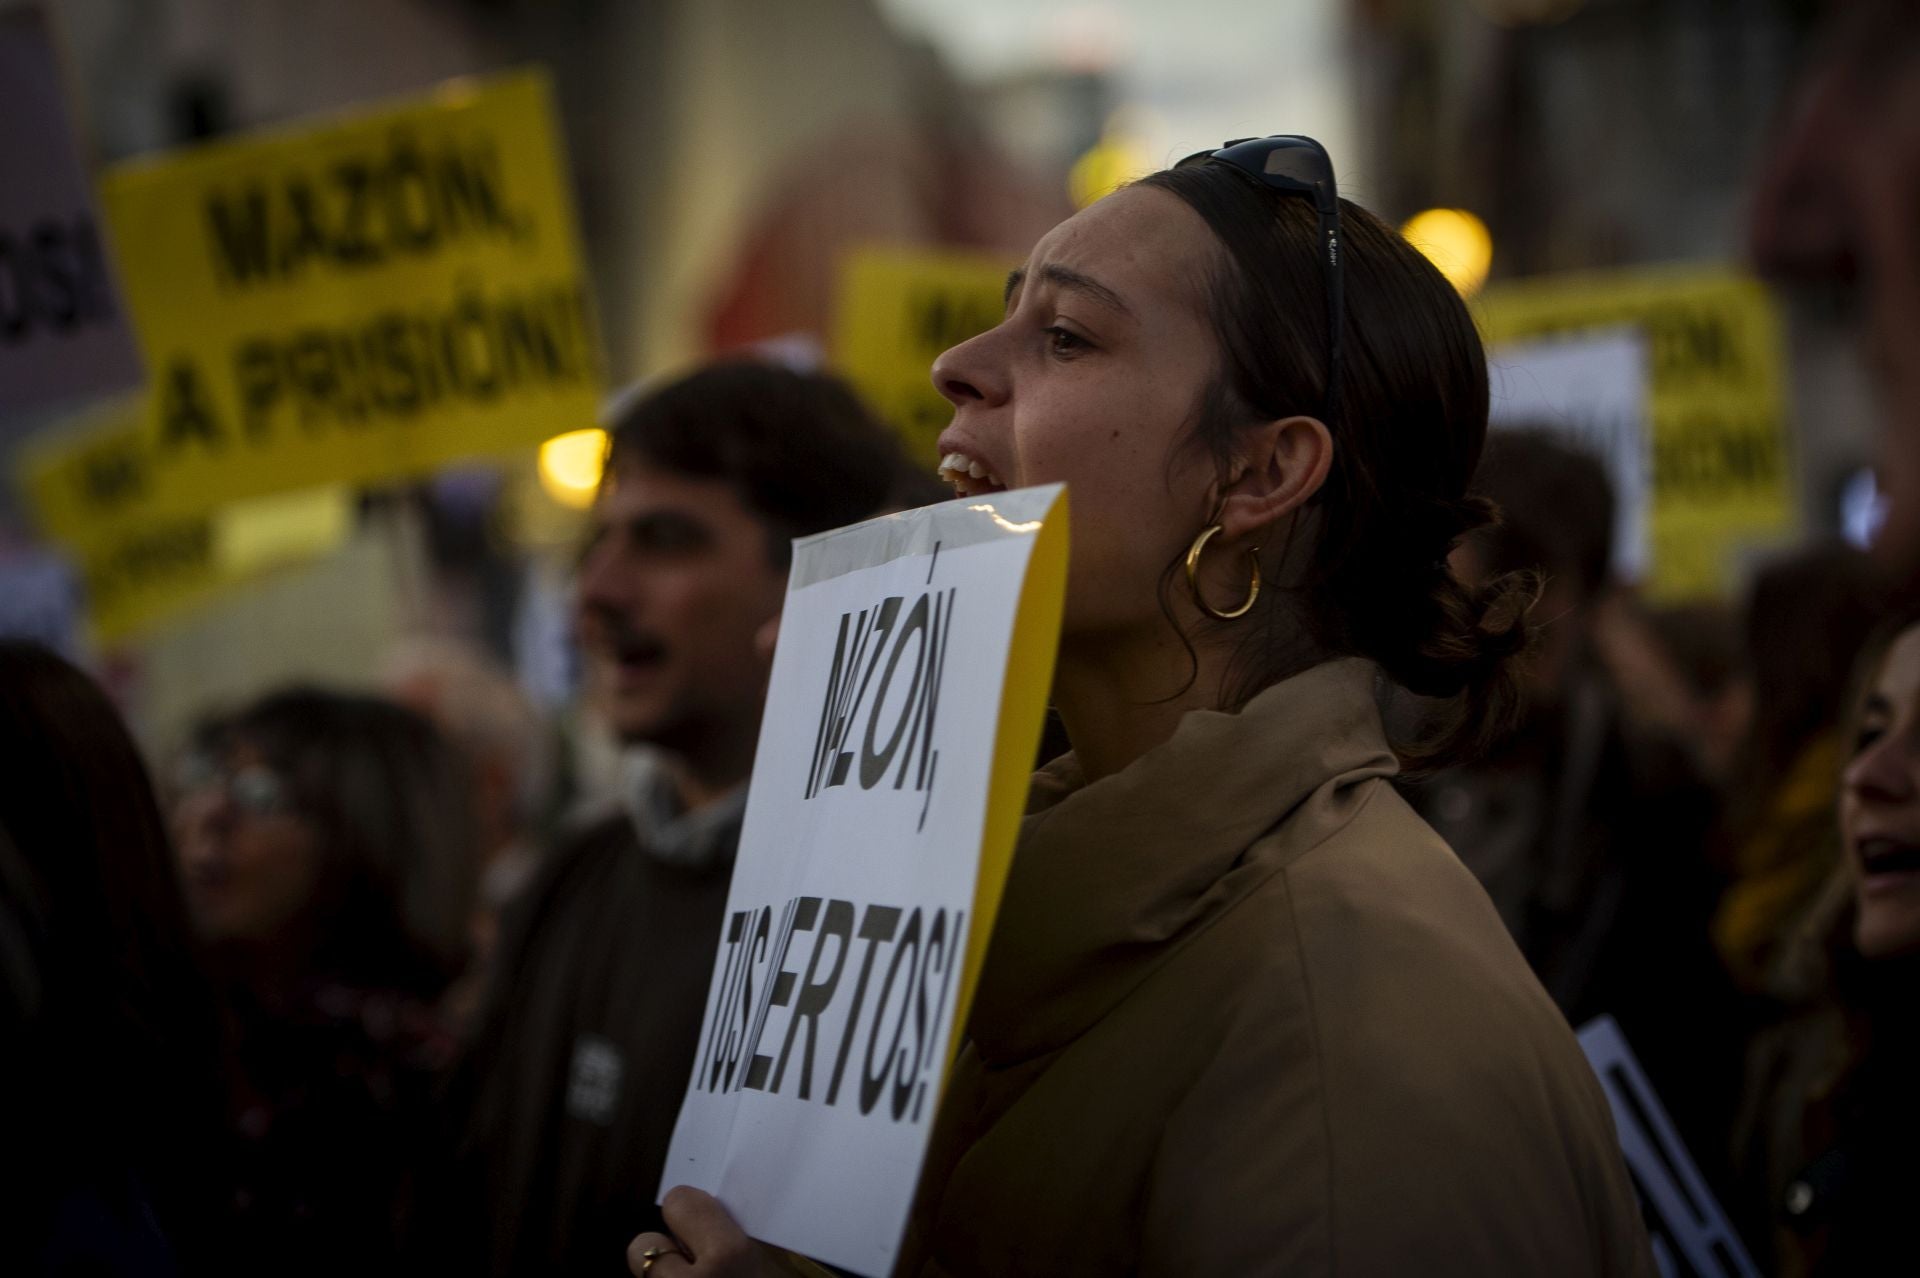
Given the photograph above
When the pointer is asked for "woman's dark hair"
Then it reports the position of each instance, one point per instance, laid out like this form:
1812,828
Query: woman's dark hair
1556,509
757,426
1813,616
1407,437
110,1063
392,806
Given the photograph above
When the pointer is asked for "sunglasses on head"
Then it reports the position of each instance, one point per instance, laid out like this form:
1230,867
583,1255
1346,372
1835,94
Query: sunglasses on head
1295,165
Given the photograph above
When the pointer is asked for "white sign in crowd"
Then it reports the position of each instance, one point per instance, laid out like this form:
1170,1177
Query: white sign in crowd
64,336
1689,1230
1590,390
902,717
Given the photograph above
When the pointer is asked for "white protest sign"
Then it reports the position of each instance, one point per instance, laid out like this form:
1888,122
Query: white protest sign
908,689
64,336
1689,1231
39,599
1589,390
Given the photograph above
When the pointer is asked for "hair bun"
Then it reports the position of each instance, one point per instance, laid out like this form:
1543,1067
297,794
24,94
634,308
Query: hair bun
1466,653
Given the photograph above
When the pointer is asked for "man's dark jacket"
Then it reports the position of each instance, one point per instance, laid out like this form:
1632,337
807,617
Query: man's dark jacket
566,1108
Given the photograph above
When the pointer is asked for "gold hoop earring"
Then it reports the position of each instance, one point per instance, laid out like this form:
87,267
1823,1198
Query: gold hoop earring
1193,578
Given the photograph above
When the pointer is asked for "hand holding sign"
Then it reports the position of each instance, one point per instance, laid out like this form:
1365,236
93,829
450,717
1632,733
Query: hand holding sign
706,1243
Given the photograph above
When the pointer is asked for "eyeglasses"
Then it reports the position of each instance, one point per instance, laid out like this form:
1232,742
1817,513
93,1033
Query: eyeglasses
1295,165
254,789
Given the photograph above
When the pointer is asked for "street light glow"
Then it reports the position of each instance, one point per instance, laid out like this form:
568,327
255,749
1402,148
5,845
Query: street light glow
1455,241
570,466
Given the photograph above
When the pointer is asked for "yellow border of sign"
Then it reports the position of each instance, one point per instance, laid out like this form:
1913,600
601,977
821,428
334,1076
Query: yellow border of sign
1023,713
245,543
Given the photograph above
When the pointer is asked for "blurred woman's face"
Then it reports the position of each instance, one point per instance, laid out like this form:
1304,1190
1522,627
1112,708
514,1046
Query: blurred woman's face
1092,379
1880,805
249,863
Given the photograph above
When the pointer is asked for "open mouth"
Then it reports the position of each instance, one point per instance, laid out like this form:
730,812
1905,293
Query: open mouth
969,476
1884,857
208,878
637,651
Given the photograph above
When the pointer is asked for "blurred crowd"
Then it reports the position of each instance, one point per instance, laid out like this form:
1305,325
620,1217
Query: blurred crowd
386,983
385,980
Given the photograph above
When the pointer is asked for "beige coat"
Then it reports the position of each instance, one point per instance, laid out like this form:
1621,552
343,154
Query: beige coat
1244,1013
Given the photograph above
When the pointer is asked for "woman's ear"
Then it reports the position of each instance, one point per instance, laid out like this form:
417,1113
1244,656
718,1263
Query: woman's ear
1285,463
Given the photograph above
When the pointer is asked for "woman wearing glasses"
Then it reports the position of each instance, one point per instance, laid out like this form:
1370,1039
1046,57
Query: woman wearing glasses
328,852
1243,1012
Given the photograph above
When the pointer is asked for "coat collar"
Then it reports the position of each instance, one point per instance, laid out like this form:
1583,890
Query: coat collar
1108,874
704,839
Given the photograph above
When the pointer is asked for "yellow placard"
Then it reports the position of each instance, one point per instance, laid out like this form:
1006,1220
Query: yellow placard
141,569
347,302
142,575
896,310
1720,463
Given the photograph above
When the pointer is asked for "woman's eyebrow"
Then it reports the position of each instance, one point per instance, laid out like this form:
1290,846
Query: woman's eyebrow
1068,278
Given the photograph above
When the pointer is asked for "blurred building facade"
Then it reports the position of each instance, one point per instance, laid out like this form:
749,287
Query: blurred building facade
1594,134
1624,132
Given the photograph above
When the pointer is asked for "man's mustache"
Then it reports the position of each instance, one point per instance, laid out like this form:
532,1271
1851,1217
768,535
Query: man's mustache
628,641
